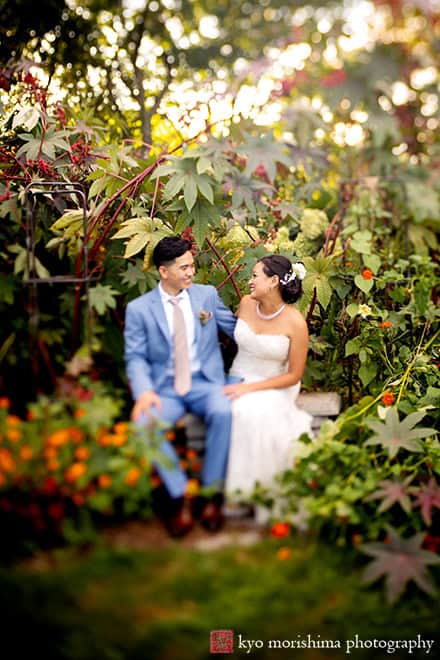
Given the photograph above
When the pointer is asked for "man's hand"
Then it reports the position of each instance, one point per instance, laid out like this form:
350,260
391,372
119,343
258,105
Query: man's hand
146,401
237,389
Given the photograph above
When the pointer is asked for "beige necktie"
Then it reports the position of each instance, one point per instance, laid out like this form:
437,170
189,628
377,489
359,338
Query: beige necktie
182,371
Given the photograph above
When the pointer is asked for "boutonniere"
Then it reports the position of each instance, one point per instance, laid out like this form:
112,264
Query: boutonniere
204,316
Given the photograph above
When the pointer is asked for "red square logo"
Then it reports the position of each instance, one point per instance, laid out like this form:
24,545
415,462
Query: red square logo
222,641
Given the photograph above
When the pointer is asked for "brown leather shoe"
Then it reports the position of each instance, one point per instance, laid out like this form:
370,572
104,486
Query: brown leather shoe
181,521
212,517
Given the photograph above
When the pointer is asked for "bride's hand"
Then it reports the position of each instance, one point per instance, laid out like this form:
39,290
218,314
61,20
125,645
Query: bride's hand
236,390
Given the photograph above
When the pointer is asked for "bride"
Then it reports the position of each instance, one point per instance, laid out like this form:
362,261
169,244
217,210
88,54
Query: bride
272,341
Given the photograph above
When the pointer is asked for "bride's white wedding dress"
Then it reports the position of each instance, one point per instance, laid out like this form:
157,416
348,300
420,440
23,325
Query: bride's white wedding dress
265,424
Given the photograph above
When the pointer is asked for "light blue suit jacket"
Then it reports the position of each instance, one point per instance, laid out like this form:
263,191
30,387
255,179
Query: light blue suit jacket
148,343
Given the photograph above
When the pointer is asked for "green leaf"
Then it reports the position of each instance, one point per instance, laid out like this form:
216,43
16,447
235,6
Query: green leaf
367,372
423,201
352,309
264,150
141,232
190,193
361,242
203,164
173,186
372,261
323,291
205,188
28,116
363,284
136,244
394,434
102,297
203,216
352,347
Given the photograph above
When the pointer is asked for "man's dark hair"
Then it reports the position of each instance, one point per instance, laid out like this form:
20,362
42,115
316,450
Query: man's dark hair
168,249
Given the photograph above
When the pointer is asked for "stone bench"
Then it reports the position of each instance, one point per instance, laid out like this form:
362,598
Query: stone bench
321,405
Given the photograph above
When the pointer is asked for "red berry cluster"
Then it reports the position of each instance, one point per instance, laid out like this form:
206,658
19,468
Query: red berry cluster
42,167
81,151
39,94
60,114
188,235
334,79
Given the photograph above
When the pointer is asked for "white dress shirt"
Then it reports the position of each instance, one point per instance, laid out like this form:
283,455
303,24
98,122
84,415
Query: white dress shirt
188,315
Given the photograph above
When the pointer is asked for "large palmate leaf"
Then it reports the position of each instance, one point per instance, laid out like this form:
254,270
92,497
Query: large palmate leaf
49,144
184,176
202,218
319,271
428,497
264,150
394,434
423,201
400,561
102,297
142,232
244,189
392,492
212,157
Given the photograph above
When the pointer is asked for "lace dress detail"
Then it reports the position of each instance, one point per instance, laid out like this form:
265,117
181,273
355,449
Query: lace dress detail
265,424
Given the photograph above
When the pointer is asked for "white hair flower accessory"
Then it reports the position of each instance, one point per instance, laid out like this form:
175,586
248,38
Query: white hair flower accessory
297,271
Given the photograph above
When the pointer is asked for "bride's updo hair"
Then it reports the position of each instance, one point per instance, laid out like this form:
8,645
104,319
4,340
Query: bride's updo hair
276,264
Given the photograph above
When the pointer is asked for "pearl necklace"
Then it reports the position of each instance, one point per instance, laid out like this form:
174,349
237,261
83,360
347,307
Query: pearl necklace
268,317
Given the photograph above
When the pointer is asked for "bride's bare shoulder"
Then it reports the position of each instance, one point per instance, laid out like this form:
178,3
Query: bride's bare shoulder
245,303
297,320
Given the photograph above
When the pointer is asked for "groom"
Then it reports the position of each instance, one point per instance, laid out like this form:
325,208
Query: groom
174,364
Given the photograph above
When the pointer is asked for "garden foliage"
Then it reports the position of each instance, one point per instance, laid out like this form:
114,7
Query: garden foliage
363,218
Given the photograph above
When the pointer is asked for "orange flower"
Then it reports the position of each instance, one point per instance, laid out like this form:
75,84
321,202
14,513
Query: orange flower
5,403
50,452
192,488
75,434
30,416
280,529
105,440
26,452
104,480
53,465
191,454
170,435
74,472
82,453
284,553
13,435
7,462
132,476
79,412
120,427
367,274
13,420
119,439
58,438
388,398
385,324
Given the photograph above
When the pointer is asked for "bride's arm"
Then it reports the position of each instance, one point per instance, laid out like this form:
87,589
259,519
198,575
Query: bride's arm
299,344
